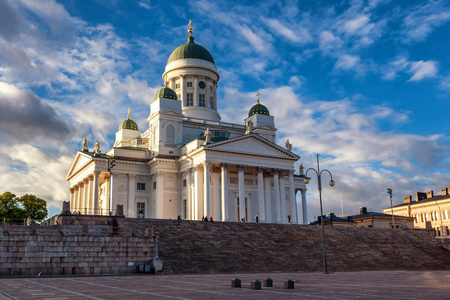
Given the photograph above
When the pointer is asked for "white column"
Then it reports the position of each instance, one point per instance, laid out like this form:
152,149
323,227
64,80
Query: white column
292,198
304,209
224,192
197,192
216,195
96,174
114,192
188,196
159,201
72,198
241,193
268,198
85,208
276,190
131,200
208,94
183,89
91,195
206,190
80,196
196,90
283,214
261,208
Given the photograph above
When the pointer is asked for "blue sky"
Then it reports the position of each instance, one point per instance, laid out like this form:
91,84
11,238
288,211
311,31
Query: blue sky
364,83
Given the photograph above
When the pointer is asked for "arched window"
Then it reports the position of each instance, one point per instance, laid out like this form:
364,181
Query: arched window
170,135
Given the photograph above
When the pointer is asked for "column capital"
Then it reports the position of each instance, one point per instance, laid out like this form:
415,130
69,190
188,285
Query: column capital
291,172
96,172
90,177
206,163
241,167
224,166
86,180
132,175
72,189
260,169
276,171
215,169
115,174
160,173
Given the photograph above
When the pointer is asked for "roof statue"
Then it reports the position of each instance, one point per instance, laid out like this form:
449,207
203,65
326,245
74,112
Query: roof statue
302,169
249,126
207,136
84,145
288,145
96,147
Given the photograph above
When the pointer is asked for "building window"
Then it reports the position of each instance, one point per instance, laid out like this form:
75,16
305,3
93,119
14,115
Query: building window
141,186
210,88
170,135
201,100
177,85
189,84
189,99
154,185
140,210
211,102
184,209
184,182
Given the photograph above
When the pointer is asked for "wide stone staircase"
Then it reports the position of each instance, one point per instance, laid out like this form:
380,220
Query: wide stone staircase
212,247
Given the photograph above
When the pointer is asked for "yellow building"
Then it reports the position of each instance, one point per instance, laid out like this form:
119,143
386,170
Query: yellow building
424,208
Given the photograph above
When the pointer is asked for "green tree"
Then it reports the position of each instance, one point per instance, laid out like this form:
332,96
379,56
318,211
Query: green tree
34,208
9,208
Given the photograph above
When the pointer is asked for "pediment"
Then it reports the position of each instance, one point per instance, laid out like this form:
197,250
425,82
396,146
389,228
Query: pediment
80,161
252,144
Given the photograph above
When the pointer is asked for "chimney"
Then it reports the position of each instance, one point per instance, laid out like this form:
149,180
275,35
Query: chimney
407,199
363,210
444,191
429,194
420,196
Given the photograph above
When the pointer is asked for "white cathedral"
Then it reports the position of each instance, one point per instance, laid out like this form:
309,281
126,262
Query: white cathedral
188,163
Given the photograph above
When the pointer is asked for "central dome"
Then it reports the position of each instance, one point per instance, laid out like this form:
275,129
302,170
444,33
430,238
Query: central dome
190,50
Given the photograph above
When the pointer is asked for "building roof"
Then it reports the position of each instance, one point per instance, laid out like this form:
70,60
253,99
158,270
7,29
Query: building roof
166,93
128,124
190,50
332,218
432,199
258,108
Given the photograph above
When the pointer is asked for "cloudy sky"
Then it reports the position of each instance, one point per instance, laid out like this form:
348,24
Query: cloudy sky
364,83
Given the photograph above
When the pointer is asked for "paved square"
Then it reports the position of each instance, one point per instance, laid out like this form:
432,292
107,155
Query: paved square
345,285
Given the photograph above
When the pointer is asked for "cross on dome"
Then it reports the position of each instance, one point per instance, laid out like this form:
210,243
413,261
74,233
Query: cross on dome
190,29
257,97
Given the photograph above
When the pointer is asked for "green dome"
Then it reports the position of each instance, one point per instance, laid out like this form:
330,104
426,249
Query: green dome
190,50
128,124
258,109
167,93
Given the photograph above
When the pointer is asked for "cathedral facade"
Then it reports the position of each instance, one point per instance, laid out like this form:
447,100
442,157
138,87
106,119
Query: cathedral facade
189,164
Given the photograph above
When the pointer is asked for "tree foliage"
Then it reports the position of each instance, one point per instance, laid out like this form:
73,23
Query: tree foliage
14,209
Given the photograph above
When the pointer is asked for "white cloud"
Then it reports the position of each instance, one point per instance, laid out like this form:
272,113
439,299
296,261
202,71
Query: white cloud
423,69
419,23
300,35
357,24
445,84
347,62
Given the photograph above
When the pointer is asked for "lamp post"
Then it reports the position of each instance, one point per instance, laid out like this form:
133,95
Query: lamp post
111,163
389,191
319,186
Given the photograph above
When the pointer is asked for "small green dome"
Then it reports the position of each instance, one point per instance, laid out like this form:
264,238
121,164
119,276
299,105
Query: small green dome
258,109
128,124
190,50
166,93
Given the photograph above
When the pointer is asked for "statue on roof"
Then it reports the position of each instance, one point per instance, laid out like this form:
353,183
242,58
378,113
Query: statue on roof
302,169
249,128
207,136
84,145
288,145
96,147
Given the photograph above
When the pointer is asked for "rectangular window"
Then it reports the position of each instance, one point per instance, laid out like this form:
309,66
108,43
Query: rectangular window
211,102
184,182
201,100
189,99
177,85
184,209
189,84
140,186
140,211
210,88
154,185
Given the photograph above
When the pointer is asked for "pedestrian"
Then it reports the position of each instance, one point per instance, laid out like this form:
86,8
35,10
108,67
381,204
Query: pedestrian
289,219
206,218
257,219
179,218
211,219
243,219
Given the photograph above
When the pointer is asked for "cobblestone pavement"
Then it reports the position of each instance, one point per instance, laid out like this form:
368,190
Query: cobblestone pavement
346,285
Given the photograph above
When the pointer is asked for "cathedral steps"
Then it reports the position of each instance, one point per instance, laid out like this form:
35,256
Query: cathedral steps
205,247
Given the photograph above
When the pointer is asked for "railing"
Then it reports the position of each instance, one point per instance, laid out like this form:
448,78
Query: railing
93,212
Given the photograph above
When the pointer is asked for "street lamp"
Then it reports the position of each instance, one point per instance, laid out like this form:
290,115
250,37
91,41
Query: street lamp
389,191
319,186
111,163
